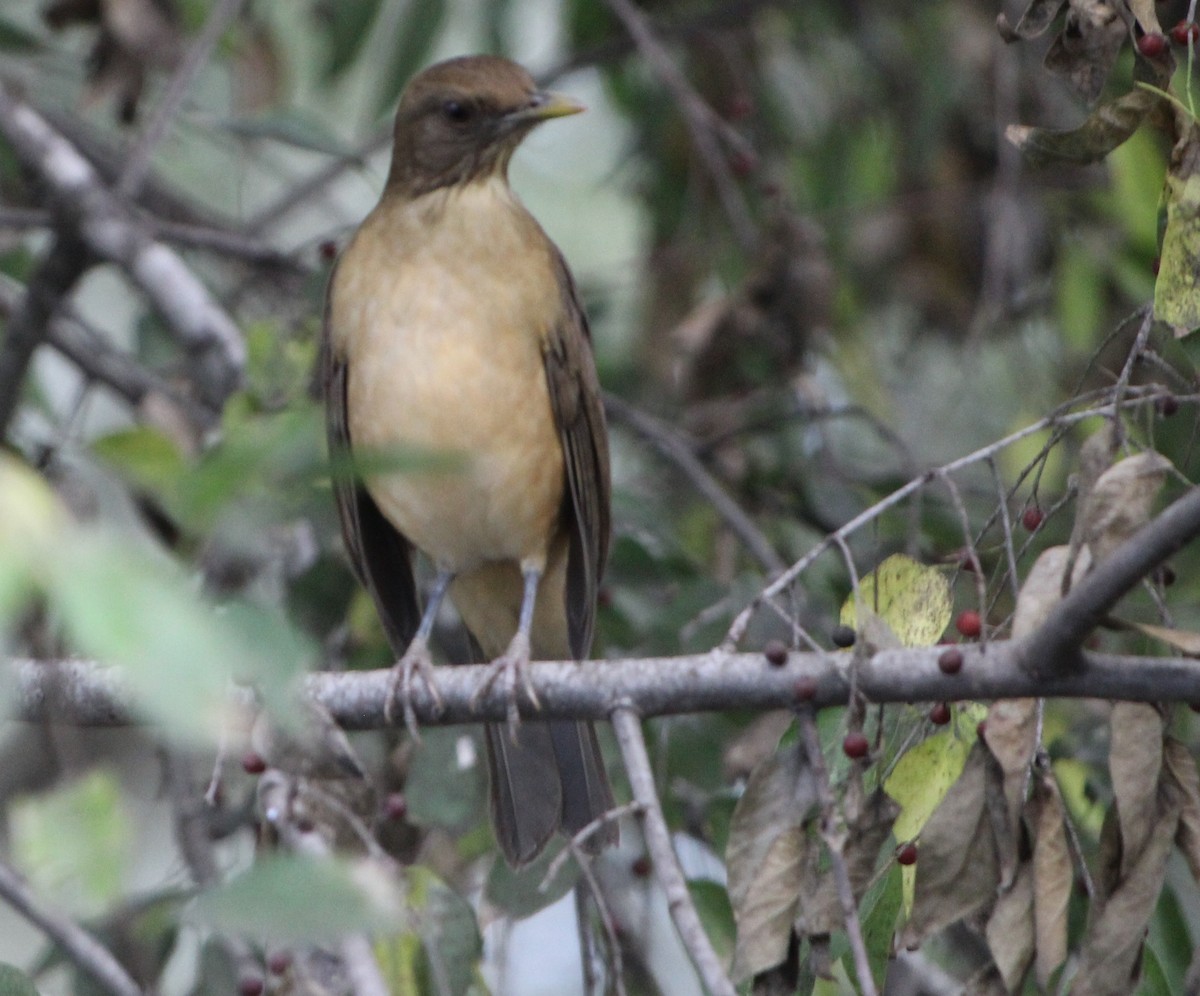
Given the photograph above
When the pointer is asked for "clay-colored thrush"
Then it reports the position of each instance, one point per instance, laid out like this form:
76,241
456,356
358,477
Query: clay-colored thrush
453,325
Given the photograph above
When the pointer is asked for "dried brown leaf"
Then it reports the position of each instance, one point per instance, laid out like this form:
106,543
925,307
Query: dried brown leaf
1135,758
1038,16
1087,47
959,867
1176,295
1145,14
1180,639
765,858
1010,929
1122,500
1181,769
1011,734
1107,127
1053,876
1110,956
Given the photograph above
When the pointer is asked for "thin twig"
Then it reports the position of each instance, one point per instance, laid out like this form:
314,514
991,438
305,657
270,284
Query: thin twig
628,729
834,842
63,265
670,444
1063,417
582,837
92,957
616,966
137,166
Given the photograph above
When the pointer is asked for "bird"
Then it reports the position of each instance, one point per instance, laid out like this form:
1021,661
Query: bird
453,325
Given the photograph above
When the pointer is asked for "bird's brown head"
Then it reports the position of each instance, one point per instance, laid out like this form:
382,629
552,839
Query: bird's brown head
462,119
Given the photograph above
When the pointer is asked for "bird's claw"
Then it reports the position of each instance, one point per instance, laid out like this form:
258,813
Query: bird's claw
416,664
511,666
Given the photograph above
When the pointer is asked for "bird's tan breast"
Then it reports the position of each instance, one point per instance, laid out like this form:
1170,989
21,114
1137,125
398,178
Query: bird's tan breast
440,307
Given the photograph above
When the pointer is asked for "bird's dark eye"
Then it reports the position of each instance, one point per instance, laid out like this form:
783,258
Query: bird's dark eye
457,111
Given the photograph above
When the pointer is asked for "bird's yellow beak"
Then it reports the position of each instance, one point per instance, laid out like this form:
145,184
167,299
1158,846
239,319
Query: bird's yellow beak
546,104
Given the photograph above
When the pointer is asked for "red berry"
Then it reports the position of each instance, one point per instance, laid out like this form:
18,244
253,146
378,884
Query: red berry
805,689
279,962
1185,32
856,746
1032,518
907,854
776,652
641,867
395,806
250,985
968,623
253,763
328,250
939,714
1152,45
950,660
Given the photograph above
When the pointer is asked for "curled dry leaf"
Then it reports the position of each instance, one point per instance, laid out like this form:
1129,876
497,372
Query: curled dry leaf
1135,757
768,844
1111,953
1180,768
1121,501
1180,639
1086,49
1010,931
1053,876
959,866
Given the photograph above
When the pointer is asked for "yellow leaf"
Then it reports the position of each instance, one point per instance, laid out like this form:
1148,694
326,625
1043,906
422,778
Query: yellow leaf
911,599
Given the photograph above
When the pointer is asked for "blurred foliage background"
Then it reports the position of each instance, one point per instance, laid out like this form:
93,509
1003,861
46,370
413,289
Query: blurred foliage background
862,282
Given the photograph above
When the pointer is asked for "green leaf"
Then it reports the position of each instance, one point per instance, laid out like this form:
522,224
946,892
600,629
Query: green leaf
911,599
449,932
143,455
419,29
519,893
73,842
716,913
446,780
879,913
287,898
14,38
1176,296
345,25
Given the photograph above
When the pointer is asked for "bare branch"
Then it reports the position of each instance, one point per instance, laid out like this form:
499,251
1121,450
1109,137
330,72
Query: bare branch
627,726
107,228
81,947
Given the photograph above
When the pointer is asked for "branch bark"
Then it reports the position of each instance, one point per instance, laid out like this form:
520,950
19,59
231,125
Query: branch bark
86,207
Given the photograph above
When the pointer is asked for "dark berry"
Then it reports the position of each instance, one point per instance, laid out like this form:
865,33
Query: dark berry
950,660
856,746
968,623
939,714
1194,706
805,689
1185,32
907,854
250,985
1032,518
395,806
776,652
981,729
1165,575
1167,405
843,636
253,763
641,867
1152,45
328,250
305,825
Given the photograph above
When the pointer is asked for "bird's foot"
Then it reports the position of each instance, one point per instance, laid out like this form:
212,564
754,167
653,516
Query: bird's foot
511,667
416,665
